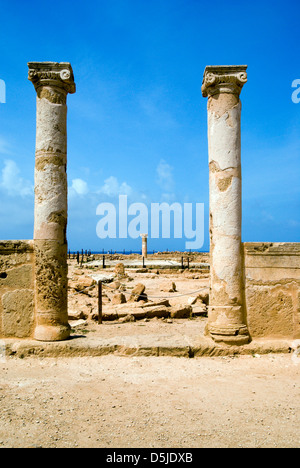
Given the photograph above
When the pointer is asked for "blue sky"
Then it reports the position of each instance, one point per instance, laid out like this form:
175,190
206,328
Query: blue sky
137,124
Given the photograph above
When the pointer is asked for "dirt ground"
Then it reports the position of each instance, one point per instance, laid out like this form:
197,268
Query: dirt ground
145,402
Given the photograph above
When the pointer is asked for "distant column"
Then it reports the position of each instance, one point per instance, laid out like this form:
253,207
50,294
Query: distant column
52,82
144,245
222,85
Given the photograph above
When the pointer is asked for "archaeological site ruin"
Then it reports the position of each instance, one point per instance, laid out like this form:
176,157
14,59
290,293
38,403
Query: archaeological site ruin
254,287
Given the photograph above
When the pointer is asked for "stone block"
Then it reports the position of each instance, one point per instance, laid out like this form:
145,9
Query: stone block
119,299
137,293
20,277
181,311
272,289
18,313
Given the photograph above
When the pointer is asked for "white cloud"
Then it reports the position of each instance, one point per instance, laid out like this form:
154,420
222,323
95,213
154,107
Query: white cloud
79,187
12,183
4,146
164,174
113,188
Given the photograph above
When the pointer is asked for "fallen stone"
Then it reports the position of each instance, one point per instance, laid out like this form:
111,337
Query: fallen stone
122,310
204,296
167,287
157,311
119,299
106,316
115,285
82,283
77,323
76,315
127,319
181,311
139,314
120,270
199,310
137,293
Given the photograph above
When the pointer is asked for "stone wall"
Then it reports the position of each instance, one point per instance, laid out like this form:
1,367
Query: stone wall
272,289
16,288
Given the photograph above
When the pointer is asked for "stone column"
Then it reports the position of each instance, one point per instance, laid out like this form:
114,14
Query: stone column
52,82
222,85
144,245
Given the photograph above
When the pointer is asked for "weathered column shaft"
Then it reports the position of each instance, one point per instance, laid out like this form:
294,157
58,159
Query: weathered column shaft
227,321
52,81
144,245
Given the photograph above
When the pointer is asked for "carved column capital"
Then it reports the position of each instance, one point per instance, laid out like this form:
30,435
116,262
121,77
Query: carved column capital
52,74
224,79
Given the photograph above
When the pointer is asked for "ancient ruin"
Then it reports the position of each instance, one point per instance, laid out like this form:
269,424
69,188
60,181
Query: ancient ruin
222,86
254,287
52,83
144,245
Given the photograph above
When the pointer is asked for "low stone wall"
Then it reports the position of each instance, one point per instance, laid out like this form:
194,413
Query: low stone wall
16,288
272,289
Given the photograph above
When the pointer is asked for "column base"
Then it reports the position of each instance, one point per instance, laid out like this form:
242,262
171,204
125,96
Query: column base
52,332
235,335
226,325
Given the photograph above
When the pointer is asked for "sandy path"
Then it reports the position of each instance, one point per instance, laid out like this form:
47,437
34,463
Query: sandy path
150,402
